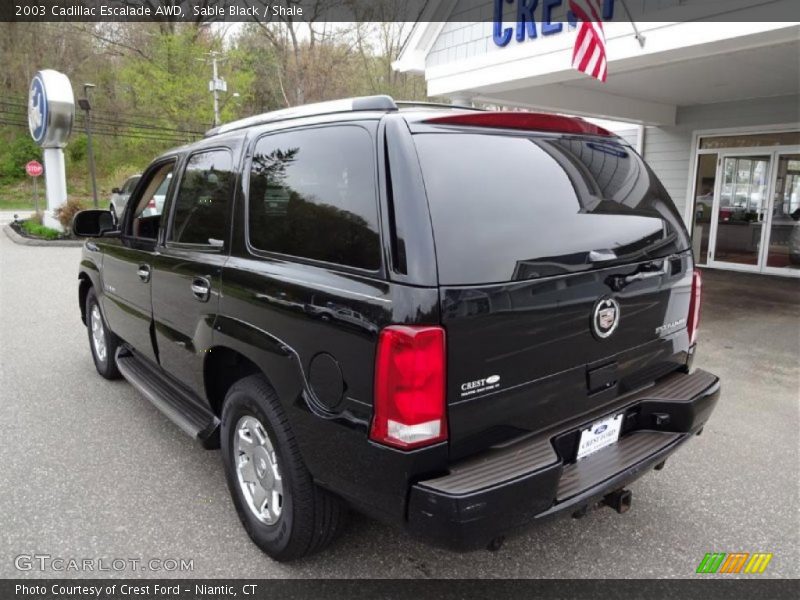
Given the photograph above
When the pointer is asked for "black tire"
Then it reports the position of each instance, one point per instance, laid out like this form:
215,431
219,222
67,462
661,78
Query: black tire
310,516
106,365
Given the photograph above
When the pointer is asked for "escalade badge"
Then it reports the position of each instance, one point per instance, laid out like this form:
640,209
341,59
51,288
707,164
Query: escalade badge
605,317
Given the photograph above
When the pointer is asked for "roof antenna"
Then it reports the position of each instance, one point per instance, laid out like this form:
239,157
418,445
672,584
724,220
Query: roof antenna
639,37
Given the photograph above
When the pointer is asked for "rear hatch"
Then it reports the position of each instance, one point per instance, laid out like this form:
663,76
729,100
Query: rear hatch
564,270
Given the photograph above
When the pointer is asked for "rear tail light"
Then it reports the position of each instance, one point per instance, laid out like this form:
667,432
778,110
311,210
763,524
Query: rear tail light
694,306
523,120
410,387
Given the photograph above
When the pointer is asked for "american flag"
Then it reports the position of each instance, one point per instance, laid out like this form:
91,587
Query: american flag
589,55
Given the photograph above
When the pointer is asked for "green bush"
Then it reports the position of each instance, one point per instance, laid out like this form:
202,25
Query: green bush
77,149
15,155
36,230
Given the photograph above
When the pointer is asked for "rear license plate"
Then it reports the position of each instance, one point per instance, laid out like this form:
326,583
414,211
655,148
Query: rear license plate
599,435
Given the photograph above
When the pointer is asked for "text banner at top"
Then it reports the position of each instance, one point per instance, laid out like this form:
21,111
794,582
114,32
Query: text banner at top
474,11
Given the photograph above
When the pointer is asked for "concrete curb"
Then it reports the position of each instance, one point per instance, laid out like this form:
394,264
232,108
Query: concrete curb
23,241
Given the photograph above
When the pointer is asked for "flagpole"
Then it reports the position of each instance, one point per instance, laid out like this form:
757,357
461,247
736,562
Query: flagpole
639,37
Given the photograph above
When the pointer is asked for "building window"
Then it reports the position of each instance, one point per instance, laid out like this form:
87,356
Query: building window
747,202
703,204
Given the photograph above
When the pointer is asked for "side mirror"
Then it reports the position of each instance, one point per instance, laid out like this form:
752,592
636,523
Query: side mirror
94,223
116,191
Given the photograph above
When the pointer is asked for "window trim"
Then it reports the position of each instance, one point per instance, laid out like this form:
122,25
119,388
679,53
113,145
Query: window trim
380,272
127,223
207,248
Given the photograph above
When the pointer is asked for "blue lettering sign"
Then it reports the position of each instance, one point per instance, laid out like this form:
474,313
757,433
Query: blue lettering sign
501,36
548,27
526,19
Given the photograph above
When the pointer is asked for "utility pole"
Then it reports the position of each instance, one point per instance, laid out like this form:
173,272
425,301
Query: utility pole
216,85
84,104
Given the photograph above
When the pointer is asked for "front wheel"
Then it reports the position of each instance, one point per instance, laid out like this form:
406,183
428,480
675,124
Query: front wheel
101,339
281,508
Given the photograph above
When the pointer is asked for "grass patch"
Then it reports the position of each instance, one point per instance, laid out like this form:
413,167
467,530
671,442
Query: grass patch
19,196
34,229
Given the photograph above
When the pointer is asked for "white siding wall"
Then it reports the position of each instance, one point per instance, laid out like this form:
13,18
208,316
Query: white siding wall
631,136
468,32
669,150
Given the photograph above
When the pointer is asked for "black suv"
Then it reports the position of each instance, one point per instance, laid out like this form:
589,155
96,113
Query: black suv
455,320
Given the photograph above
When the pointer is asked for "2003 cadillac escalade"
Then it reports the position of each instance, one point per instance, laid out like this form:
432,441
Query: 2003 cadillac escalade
455,320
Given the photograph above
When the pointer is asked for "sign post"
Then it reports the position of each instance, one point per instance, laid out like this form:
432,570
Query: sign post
34,169
51,112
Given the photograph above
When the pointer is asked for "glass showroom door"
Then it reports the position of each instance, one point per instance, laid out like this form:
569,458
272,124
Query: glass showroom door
741,210
782,244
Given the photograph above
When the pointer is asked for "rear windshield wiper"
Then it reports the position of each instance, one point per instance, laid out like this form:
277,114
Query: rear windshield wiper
648,270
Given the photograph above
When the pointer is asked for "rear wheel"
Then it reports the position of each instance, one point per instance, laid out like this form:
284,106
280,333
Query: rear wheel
102,341
281,508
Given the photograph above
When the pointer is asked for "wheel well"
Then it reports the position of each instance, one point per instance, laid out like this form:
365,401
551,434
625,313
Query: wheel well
83,291
222,368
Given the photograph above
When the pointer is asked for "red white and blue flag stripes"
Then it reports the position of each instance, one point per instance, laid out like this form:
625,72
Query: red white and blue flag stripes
589,54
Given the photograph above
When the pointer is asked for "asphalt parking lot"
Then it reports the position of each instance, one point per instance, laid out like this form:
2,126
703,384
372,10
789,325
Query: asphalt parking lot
91,470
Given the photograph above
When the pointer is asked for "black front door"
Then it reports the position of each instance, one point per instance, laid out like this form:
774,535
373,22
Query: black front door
187,269
128,262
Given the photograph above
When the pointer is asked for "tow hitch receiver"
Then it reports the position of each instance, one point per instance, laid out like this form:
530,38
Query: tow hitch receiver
619,500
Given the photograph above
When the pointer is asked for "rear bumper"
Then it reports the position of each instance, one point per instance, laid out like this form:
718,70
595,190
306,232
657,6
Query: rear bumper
509,486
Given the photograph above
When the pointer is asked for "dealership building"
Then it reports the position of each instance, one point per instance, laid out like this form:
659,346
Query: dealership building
707,91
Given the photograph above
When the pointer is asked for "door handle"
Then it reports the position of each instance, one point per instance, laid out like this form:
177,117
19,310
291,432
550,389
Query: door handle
201,289
144,273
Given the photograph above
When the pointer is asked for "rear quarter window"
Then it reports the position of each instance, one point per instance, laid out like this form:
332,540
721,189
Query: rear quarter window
313,195
513,207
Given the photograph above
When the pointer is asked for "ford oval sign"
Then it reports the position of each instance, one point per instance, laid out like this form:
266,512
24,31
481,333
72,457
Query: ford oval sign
37,109
51,109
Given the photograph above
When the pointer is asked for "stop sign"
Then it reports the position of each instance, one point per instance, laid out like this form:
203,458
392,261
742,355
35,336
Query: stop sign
34,168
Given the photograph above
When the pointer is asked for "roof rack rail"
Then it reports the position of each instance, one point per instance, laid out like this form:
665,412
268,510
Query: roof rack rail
442,105
363,103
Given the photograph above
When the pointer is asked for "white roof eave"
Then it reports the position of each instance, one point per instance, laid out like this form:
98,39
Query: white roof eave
423,36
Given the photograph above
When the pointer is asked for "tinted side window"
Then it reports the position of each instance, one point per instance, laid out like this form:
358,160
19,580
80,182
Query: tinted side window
204,195
312,195
148,205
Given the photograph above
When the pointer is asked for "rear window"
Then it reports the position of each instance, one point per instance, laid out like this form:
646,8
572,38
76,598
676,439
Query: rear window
508,207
